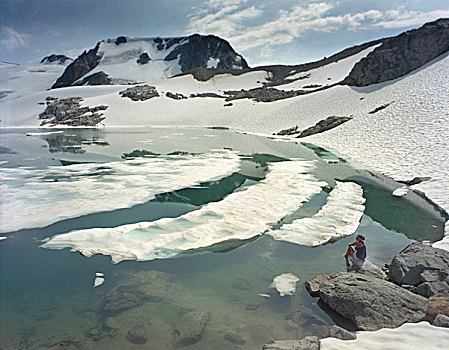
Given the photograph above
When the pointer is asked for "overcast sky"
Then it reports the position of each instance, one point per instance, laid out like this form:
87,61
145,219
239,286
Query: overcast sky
263,31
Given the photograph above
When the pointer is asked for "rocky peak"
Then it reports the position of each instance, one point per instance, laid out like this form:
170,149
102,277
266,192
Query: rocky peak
401,54
55,59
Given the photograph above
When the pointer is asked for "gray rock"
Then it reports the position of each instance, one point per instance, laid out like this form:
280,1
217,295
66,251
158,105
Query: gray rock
140,93
437,304
136,335
189,329
421,266
341,333
144,58
401,54
175,96
370,303
441,321
307,343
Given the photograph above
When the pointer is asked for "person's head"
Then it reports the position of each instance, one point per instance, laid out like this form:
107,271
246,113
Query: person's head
360,238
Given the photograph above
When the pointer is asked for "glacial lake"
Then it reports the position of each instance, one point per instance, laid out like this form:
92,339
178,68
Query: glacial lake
216,296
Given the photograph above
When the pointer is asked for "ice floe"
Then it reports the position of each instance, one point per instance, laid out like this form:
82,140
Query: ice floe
39,197
240,216
400,192
285,284
409,336
2,238
98,281
44,133
339,217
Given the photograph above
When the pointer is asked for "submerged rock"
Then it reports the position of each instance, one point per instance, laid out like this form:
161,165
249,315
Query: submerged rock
136,335
370,303
234,338
189,328
307,343
422,268
139,289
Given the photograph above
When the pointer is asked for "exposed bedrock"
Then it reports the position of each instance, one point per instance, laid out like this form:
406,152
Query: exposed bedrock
87,61
401,54
68,111
421,269
322,126
140,93
99,78
370,303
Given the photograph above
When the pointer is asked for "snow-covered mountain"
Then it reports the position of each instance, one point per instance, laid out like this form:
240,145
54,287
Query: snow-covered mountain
131,60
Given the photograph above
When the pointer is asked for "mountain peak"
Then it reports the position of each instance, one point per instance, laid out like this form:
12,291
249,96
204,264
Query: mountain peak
126,60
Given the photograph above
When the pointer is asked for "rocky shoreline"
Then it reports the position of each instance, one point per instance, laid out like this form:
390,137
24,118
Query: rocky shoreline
416,289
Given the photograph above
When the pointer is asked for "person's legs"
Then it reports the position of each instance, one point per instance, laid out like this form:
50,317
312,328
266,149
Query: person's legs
350,251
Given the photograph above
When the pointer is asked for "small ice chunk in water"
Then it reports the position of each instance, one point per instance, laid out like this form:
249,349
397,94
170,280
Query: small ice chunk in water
98,281
264,295
2,238
285,284
400,192
99,274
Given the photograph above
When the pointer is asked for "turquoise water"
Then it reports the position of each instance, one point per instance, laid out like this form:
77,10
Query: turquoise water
46,296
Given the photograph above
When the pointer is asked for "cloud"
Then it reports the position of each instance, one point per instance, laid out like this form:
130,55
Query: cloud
395,19
230,19
12,39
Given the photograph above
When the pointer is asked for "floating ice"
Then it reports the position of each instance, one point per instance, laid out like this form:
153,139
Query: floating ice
241,215
44,133
99,274
2,238
264,295
98,281
400,192
285,284
39,197
339,217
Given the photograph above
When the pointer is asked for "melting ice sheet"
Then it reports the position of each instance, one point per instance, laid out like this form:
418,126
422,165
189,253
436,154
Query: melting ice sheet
240,216
339,217
36,197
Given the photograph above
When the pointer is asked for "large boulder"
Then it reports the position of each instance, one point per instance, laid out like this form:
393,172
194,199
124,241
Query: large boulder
190,327
422,269
370,303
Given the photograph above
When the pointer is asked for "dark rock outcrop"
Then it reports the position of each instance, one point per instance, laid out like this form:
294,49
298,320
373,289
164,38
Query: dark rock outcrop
175,96
421,269
120,40
341,333
369,302
144,58
100,78
322,126
57,59
78,68
377,109
415,180
140,93
307,343
198,49
263,94
68,111
401,54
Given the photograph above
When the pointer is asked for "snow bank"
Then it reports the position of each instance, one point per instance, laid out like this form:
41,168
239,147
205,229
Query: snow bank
410,336
240,216
285,284
326,75
39,197
339,217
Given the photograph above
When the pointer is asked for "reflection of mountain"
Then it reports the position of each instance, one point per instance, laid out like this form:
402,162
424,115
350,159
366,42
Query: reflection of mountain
72,143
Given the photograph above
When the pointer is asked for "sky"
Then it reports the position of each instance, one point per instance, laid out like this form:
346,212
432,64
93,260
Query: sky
263,31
